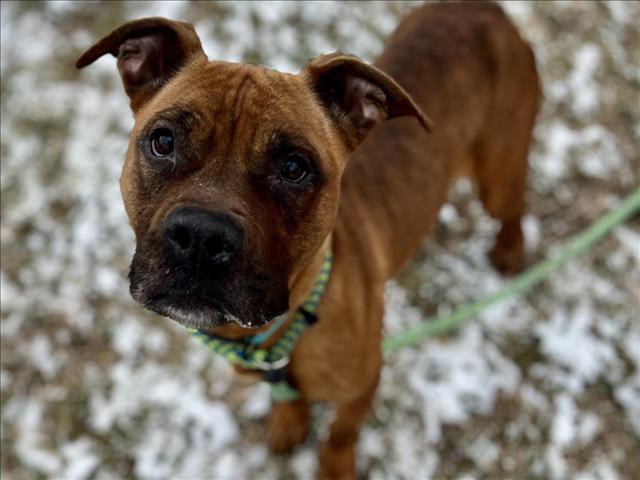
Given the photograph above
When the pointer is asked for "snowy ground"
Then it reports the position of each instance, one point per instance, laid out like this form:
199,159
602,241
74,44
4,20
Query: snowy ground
544,386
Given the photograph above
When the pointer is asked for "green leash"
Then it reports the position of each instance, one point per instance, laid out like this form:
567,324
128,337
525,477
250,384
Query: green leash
534,275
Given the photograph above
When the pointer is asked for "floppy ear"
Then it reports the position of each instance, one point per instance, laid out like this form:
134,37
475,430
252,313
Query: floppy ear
358,95
149,52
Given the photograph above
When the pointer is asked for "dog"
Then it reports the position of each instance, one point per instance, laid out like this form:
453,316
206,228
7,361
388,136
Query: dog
240,181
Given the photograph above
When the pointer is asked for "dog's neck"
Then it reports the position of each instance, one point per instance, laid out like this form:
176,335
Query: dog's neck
302,283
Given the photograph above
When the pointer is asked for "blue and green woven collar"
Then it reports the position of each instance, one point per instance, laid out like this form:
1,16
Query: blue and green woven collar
273,361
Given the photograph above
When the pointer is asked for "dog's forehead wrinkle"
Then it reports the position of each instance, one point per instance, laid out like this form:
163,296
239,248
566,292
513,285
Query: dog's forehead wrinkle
276,100
245,83
276,92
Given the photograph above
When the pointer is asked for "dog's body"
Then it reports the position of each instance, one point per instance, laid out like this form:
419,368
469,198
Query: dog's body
463,64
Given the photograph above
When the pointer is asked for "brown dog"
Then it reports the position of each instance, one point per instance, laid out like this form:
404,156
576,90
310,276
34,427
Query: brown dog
238,179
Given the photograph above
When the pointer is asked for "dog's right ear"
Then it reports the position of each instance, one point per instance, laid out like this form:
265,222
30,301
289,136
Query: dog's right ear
149,52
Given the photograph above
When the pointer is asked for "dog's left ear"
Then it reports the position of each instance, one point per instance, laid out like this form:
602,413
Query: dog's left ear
358,95
149,52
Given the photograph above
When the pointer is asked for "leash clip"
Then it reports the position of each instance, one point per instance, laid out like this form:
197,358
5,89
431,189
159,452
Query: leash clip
269,366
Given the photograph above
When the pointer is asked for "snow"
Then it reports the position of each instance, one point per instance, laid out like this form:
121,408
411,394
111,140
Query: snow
544,385
568,340
581,82
483,452
258,403
532,234
29,444
630,243
453,386
80,459
43,358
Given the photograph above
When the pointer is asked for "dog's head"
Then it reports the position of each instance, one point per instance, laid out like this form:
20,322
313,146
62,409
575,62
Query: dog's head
232,175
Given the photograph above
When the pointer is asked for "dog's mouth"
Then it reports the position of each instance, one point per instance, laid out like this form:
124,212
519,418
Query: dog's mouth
204,307
247,294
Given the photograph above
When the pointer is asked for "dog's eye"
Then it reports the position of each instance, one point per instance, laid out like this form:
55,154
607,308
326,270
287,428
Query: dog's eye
161,142
295,168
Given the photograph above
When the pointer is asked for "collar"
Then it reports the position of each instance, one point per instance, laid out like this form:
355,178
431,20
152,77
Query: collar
273,360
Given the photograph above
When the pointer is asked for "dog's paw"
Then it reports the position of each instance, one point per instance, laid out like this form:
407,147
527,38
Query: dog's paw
288,425
507,254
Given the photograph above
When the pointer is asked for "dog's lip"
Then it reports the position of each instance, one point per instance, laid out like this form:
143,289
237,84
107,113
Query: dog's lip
247,324
253,322
205,314
225,319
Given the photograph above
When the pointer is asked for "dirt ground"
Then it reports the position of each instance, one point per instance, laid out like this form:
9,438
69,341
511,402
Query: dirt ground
545,385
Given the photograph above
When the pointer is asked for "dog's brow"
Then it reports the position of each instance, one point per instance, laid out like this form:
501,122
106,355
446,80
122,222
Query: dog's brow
287,139
179,114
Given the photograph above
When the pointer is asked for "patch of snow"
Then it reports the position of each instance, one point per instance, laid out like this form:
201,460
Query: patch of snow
600,156
568,340
559,139
589,426
563,429
372,443
448,214
413,459
127,337
630,243
43,357
458,378
627,395
518,10
483,452
258,402
599,468
304,463
533,398
80,460
29,446
622,11
581,81
532,231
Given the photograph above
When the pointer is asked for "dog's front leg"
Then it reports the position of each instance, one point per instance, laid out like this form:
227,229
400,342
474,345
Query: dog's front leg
288,425
337,454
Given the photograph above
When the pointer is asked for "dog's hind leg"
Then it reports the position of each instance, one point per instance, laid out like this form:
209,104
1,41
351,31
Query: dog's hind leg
501,174
500,171
502,147
502,195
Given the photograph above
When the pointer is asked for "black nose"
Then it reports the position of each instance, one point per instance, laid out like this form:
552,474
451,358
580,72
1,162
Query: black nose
196,235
